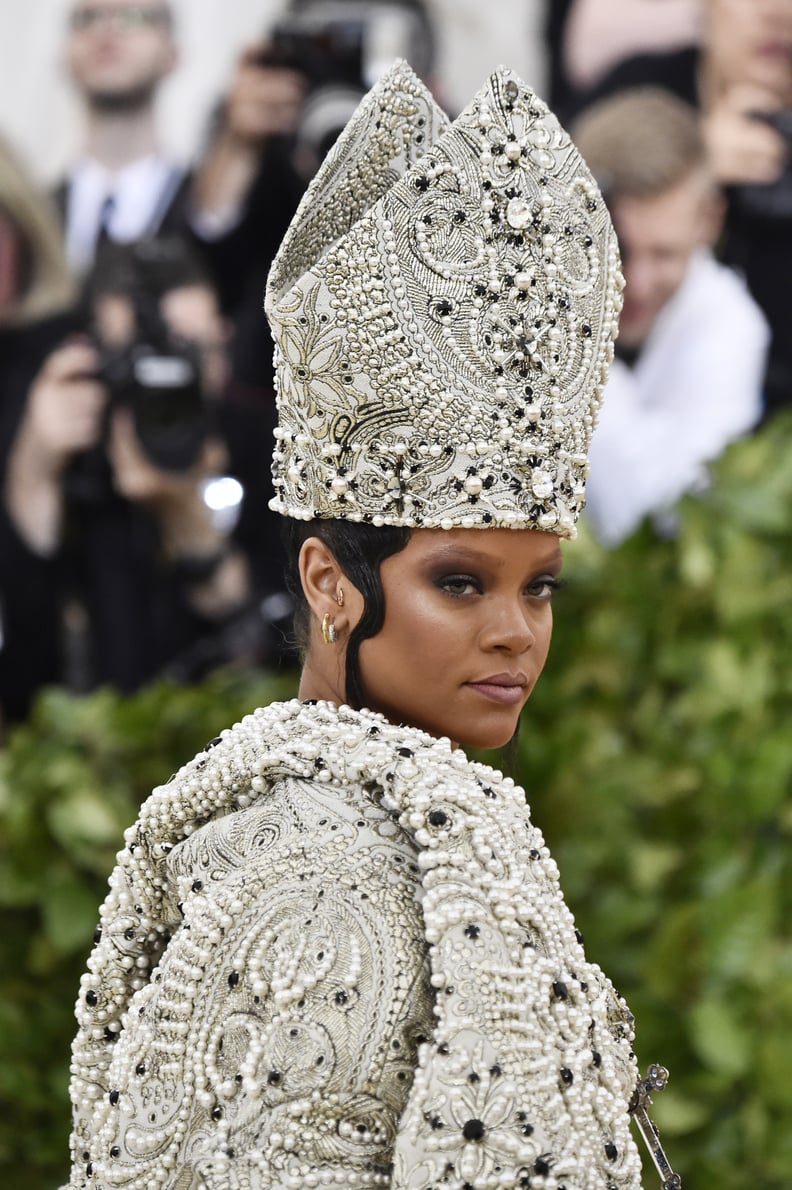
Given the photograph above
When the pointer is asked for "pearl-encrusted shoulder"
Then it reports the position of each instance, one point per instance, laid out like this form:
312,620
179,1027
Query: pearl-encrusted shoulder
526,1077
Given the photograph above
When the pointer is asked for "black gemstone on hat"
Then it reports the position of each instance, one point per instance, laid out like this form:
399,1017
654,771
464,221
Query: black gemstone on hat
217,1112
197,885
114,1097
233,979
472,930
560,990
541,1165
596,1058
140,1068
438,818
473,1130
115,1151
91,998
213,743
273,1078
611,1152
566,1075
97,934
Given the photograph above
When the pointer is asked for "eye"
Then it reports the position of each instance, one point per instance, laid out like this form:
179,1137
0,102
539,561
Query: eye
544,587
459,584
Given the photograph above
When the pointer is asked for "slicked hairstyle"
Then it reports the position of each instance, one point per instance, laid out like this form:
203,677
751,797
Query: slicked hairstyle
359,549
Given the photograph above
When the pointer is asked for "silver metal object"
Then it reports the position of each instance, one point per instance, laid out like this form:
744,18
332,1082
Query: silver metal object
655,1079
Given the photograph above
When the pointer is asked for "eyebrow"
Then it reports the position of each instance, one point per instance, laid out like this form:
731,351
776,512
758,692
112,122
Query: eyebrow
453,550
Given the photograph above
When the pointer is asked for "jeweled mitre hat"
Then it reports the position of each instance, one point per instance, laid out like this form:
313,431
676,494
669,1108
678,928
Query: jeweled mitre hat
444,306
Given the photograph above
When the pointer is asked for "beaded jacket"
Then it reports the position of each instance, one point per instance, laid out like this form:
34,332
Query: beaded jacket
335,952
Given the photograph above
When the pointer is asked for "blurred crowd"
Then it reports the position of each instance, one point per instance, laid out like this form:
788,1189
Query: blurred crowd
136,386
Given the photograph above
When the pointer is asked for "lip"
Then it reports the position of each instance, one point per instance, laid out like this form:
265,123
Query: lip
505,688
775,49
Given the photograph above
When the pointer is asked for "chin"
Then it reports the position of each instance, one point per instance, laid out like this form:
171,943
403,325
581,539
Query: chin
486,736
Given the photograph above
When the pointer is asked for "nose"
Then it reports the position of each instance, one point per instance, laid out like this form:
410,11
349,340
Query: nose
507,627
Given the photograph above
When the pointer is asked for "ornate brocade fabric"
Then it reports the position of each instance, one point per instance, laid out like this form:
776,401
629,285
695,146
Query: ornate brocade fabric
335,952
444,306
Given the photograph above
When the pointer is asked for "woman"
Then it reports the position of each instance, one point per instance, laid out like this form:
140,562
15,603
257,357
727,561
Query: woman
335,951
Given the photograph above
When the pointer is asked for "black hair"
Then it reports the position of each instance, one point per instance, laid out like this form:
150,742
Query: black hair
359,549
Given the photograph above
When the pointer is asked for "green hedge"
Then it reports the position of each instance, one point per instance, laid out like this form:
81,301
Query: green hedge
71,781
657,751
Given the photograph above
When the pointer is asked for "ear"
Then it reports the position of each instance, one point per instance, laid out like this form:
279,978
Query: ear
326,587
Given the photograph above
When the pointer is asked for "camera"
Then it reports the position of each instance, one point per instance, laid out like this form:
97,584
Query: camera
773,200
159,380
350,42
342,48
156,374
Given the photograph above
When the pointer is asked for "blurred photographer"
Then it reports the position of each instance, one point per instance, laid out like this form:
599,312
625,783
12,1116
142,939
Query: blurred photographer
122,187
740,79
692,342
106,481
290,95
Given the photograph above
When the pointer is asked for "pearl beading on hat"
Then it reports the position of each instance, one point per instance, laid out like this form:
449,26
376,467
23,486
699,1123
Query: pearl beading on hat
441,361
528,1076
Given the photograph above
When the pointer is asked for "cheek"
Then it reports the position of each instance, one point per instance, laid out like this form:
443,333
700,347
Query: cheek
543,636
416,649
421,629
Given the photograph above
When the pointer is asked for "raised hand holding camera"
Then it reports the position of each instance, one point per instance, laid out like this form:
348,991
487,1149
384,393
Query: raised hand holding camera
63,417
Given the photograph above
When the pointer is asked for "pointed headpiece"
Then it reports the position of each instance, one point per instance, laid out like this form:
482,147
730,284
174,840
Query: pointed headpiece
444,306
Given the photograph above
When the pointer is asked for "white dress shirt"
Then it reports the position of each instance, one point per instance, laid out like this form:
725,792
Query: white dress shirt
131,202
697,386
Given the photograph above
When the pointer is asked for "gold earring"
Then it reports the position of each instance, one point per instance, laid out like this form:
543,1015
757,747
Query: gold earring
329,634
340,597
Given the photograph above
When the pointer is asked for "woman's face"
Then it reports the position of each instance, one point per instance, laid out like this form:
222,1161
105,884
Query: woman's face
750,42
466,632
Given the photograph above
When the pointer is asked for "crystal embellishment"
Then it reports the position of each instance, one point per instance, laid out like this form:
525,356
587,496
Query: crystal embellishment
443,284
